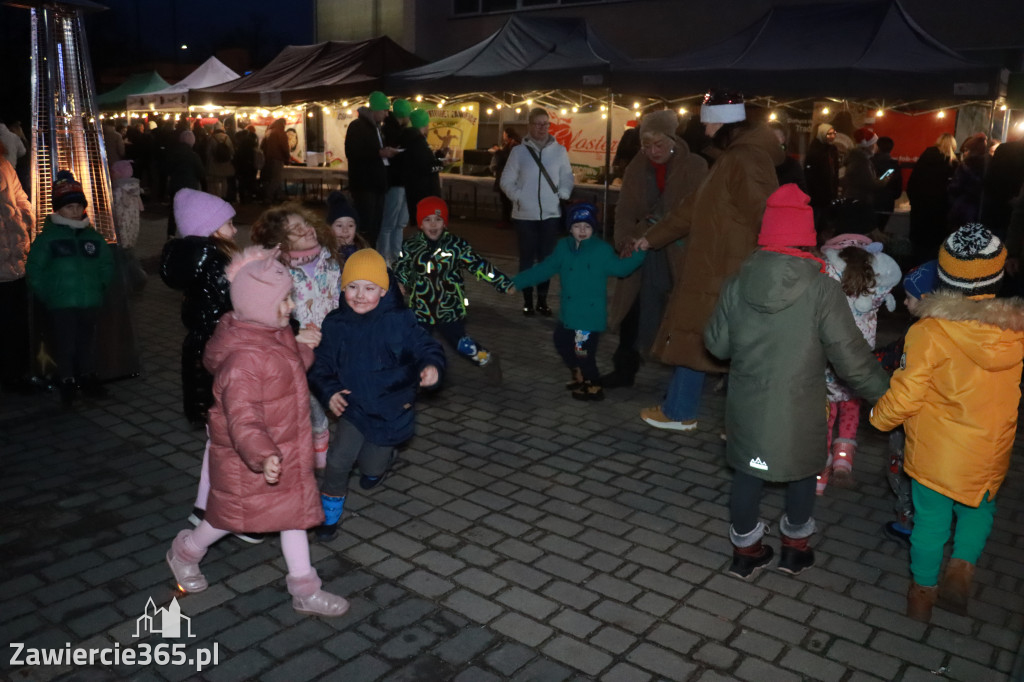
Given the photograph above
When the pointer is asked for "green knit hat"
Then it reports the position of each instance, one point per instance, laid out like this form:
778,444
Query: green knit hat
379,101
402,108
419,118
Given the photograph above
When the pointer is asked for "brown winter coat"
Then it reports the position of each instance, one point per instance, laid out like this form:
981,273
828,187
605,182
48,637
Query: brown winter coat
261,408
638,200
722,219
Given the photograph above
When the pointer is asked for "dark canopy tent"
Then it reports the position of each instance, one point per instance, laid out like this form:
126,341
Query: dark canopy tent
305,73
851,49
524,54
136,84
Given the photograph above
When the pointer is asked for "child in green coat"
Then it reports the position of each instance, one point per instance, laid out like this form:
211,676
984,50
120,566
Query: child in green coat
69,269
584,265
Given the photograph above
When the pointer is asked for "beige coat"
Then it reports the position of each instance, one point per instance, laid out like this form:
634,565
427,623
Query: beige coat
722,219
637,202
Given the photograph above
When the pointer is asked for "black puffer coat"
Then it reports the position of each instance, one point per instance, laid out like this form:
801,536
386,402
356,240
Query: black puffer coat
195,266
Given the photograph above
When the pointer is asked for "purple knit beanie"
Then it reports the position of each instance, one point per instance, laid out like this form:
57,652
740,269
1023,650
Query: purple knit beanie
199,214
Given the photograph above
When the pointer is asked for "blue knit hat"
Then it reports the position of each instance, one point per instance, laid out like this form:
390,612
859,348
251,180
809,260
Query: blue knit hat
66,190
582,213
921,280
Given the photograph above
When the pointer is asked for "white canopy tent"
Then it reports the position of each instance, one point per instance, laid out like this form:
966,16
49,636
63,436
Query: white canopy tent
175,98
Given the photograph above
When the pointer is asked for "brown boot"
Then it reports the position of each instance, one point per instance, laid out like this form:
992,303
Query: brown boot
920,601
955,586
576,382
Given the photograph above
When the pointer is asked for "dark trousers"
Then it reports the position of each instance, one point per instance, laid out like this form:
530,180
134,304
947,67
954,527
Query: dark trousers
196,382
348,449
536,242
72,341
369,205
745,501
15,351
582,355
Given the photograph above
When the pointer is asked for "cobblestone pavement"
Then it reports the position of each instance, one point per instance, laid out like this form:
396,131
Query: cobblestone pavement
524,536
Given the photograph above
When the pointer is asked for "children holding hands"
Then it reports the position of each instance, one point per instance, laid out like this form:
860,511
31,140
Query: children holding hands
373,357
583,264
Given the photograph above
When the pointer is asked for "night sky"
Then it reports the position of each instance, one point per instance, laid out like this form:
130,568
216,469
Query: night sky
143,31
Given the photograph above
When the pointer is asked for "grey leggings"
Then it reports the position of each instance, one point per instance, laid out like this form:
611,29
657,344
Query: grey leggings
348,449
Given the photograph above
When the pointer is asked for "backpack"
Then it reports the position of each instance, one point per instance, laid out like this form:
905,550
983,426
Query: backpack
222,151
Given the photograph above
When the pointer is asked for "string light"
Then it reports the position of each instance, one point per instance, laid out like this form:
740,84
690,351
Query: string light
419,98
564,112
498,107
575,109
824,111
879,114
489,111
942,114
518,110
529,102
772,116
636,105
604,116
682,111
1002,107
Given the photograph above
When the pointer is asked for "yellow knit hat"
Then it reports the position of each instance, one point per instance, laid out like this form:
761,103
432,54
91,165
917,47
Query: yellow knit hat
365,264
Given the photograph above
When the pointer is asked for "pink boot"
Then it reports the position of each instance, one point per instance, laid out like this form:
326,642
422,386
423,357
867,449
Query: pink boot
184,564
842,462
307,597
320,444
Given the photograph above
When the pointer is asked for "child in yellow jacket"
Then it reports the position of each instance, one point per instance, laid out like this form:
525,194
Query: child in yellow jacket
957,392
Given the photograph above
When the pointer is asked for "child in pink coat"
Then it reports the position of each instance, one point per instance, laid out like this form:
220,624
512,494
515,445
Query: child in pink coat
261,454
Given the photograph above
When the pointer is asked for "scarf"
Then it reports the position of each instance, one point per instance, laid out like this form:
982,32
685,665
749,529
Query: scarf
301,258
793,251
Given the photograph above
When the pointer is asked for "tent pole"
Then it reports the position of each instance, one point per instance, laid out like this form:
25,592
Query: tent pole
607,164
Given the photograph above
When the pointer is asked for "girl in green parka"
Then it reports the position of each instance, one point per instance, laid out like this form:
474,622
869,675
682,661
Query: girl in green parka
584,265
69,269
780,320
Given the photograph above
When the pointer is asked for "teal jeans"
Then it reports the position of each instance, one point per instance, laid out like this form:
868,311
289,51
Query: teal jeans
933,515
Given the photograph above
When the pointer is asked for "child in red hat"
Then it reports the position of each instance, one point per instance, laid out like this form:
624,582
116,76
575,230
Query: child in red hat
780,320
430,271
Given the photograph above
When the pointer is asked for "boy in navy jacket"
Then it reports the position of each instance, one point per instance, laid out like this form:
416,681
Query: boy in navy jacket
372,358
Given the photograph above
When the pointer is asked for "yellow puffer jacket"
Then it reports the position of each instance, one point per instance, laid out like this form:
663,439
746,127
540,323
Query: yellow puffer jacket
957,394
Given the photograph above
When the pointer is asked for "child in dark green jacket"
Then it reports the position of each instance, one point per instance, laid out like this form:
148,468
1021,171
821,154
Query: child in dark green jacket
584,265
69,269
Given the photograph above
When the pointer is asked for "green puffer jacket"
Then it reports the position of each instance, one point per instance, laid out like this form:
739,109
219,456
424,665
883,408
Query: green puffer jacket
584,273
780,320
69,267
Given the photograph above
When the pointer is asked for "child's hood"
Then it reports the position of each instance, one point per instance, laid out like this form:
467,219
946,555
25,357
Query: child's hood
770,282
233,335
989,331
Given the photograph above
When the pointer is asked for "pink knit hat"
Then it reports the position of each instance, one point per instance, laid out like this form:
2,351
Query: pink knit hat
121,169
199,214
788,219
841,241
258,283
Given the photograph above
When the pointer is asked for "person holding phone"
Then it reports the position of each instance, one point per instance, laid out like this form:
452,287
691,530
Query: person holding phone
888,169
860,184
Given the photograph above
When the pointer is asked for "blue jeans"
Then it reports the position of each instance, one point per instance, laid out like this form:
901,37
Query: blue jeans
396,217
682,400
536,242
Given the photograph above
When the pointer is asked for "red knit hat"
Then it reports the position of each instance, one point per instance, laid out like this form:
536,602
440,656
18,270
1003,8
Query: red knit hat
788,219
431,206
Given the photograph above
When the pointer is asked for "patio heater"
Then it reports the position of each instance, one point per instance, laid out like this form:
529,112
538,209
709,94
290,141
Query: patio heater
67,135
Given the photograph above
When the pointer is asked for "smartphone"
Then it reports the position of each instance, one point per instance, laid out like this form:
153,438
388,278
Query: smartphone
886,174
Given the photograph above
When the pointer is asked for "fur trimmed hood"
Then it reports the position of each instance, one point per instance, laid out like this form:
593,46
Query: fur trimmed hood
988,331
1005,313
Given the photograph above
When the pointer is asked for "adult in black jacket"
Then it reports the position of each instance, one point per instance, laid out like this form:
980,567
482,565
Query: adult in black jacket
928,191
368,161
821,170
421,163
885,200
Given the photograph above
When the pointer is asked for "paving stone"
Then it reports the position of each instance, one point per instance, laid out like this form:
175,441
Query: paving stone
623,672
612,639
522,629
810,665
527,602
509,658
522,574
622,616
781,628
472,606
662,662
577,654
427,584
908,650
466,645
862,658
754,669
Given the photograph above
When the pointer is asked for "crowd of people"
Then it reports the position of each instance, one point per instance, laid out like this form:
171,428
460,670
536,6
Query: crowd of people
731,261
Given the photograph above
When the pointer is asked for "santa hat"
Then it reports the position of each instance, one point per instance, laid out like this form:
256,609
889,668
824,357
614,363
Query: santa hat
865,137
259,282
199,214
788,219
721,106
